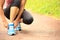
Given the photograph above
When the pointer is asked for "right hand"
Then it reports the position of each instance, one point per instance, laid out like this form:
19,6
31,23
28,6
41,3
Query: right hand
5,23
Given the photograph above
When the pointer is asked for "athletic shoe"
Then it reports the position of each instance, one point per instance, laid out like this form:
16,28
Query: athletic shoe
18,28
11,30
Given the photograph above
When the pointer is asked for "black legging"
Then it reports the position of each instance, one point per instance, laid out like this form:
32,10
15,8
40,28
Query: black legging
27,17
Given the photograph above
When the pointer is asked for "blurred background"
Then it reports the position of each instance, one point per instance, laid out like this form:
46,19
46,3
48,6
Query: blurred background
45,7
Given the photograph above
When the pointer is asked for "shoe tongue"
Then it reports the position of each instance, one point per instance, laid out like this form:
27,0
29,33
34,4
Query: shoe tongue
11,24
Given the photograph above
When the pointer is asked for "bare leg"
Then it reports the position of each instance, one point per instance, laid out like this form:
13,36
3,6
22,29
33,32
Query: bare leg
13,12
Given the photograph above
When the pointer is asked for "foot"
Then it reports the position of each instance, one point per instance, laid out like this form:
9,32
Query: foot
18,28
11,30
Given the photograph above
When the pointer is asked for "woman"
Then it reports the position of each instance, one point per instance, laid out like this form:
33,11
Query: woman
14,11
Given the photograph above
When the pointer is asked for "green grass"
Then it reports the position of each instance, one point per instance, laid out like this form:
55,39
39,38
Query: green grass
47,7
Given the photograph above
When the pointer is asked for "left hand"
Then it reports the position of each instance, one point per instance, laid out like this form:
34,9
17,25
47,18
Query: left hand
15,23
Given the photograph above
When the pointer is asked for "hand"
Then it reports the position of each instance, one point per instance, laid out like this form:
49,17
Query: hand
15,23
5,23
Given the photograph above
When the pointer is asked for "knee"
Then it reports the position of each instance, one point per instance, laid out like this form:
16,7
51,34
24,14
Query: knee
16,3
28,21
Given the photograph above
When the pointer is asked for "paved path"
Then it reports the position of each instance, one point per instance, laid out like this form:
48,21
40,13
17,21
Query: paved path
43,28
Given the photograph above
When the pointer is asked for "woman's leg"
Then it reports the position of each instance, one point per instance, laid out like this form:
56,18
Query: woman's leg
14,9
26,17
